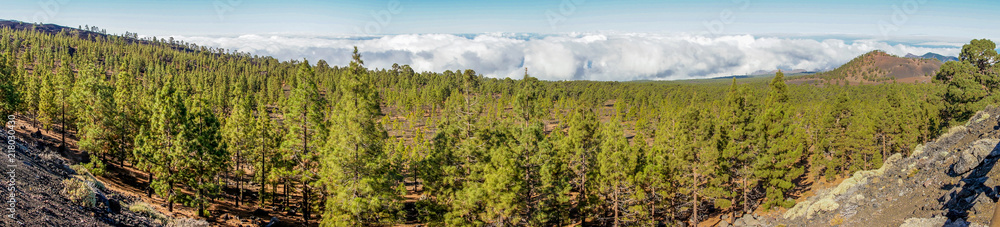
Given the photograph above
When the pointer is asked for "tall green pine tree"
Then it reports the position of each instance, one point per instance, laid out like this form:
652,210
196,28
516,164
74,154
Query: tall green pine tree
781,147
305,122
359,179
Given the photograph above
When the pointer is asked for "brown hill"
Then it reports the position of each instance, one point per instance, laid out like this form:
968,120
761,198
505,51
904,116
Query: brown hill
874,68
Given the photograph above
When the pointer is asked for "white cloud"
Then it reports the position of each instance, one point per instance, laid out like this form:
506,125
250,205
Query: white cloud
575,56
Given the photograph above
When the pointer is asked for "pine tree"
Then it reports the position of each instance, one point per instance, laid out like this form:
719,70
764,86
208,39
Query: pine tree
781,147
10,97
963,92
553,179
738,153
661,174
697,156
418,153
47,105
306,132
970,80
127,115
94,101
355,171
581,145
835,144
31,96
529,104
861,141
203,153
161,147
267,141
65,82
538,195
616,165
445,172
474,172
238,134
494,193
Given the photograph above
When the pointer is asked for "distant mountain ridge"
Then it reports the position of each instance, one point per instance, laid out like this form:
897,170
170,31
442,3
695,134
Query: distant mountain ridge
786,72
767,73
54,29
930,55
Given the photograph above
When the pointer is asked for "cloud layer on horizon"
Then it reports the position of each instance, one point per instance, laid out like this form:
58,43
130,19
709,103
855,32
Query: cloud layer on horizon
580,56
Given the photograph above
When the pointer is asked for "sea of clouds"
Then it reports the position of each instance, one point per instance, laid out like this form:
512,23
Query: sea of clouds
577,56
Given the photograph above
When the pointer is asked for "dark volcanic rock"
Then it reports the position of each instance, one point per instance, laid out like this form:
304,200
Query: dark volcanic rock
40,202
950,181
973,155
274,222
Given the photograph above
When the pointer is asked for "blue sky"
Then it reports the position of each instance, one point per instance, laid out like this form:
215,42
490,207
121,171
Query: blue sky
556,39
944,19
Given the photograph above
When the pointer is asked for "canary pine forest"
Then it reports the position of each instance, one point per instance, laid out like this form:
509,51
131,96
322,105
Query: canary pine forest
358,146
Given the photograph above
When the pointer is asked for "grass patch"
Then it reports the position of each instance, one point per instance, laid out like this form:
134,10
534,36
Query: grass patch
145,209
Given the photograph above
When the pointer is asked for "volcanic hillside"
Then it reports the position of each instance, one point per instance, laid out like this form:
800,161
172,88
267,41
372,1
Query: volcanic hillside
951,181
874,68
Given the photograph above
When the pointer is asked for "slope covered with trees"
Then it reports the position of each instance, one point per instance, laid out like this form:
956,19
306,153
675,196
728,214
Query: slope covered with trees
348,146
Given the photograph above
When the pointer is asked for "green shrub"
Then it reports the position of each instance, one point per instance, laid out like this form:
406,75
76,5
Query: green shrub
77,190
83,172
145,209
95,167
80,169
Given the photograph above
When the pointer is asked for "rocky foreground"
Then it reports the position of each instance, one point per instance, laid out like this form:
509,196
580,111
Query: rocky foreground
42,197
948,182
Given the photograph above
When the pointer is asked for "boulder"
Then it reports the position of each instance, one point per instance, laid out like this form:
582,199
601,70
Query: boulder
956,223
973,155
924,222
114,206
824,205
749,220
798,210
739,222
274,222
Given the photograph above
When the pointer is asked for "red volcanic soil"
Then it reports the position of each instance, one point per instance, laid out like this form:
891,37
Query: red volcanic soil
874,68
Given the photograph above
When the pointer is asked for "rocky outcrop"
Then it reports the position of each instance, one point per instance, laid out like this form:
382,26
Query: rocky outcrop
950,181
39,171
924,222
973,155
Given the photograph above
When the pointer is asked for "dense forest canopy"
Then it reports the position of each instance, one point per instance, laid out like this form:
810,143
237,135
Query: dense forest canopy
351,141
